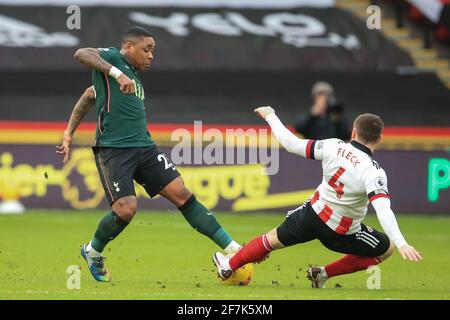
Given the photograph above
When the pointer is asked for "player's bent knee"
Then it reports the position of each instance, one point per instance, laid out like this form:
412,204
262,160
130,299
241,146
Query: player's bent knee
126,213
176,192
180,197
388,253
126,208
184,194
273,239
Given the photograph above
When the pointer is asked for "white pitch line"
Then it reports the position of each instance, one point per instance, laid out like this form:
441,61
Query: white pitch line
167,294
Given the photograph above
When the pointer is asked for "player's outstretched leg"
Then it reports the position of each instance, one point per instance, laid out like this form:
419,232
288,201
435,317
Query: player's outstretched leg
108,229
204,221
254,251
349,263
198,216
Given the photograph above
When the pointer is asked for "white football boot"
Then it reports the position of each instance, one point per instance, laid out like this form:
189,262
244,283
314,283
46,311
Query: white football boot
317,276
222,264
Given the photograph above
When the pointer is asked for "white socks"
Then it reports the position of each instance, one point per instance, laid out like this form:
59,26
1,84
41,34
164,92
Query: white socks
323,272
233,247
92,252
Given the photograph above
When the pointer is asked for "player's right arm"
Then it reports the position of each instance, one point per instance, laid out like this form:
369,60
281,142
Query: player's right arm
302,147
90,57
387,220
82,107
376,186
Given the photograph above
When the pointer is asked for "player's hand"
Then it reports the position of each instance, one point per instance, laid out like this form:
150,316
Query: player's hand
126,84
410,253
64,148
263,112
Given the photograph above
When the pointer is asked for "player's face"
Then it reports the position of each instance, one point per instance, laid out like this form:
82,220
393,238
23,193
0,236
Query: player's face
140,53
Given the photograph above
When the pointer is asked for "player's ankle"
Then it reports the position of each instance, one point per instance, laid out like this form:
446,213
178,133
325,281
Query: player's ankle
233,247
92,252
323,273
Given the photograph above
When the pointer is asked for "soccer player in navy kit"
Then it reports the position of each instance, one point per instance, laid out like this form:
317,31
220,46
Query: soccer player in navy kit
124,150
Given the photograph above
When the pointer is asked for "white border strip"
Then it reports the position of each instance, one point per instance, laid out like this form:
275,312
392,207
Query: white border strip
177,3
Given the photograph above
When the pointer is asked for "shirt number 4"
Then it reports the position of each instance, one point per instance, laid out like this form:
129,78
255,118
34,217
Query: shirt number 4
337,186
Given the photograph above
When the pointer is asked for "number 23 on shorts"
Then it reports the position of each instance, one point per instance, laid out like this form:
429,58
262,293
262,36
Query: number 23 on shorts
167,163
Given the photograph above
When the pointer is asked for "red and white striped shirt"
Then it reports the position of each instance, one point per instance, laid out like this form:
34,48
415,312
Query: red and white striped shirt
351,178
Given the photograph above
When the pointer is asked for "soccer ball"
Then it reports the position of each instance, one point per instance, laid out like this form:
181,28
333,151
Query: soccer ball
240,277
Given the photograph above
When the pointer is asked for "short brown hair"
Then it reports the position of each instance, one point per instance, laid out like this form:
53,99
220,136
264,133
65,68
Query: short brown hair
368,127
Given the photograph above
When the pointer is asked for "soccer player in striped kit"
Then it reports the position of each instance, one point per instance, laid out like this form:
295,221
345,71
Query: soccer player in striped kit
335,212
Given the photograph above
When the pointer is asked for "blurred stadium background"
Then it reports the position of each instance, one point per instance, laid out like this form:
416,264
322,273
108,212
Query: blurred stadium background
215,60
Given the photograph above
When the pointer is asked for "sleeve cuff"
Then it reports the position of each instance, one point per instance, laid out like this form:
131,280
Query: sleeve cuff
399,243
378,194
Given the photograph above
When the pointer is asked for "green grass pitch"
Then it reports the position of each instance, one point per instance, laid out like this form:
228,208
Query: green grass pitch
159,256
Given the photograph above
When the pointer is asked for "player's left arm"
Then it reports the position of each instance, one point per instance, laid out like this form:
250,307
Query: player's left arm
92,58
82,107
302,147
376,186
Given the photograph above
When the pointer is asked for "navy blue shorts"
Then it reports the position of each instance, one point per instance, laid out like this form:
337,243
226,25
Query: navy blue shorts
118,167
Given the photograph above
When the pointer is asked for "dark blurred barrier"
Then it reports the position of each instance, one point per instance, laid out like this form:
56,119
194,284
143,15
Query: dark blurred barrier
419,182
216,64
36,38
229,97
